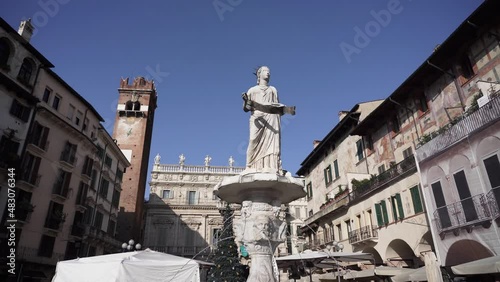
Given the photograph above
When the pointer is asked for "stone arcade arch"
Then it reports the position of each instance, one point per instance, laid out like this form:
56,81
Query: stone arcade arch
400,254
376,256
465,251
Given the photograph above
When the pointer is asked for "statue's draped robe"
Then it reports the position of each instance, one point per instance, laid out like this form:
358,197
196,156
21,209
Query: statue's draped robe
263,153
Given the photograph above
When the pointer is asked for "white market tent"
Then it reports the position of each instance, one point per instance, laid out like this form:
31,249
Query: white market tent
482,266
138,266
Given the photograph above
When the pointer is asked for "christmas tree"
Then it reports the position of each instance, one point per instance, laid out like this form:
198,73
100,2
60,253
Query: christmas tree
227,267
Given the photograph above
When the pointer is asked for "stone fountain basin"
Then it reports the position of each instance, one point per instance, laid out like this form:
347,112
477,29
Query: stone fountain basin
260,186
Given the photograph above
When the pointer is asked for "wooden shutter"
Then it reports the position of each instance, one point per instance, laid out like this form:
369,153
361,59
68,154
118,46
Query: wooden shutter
384,212
417,202
400,206
378,212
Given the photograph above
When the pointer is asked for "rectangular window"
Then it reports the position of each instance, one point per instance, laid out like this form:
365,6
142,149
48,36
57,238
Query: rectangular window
116,198
417,202
78,118
39,135
69,152
492,166
111,228
81,197
395,126
104,188
55,216
87,216
167,194
191,197
359,150
339,231
422,103
381,169
397,207
29,172
46,246
61,186
297,213
46,95
369,142
87,166
108,161
216,233
100,152
328,175
56,102
98,220
309,191
407,153
465,196
336,169
94,180
119,174
71,112
20,111
444,216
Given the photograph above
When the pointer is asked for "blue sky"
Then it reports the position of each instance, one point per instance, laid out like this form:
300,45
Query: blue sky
202,55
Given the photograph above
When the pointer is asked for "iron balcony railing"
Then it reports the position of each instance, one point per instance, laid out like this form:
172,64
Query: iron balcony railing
337,203
362,234
68,157
456,131
382,179
467,212
60,189
493,198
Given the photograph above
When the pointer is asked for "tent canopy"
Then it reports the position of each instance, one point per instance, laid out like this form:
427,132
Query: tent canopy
482,266
139,266
316,257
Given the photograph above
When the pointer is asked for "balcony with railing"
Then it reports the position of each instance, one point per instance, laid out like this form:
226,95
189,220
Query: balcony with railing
197,169
335,204
463,214
38,146
395,172
364,234
78,229
493,198
55,222
459,129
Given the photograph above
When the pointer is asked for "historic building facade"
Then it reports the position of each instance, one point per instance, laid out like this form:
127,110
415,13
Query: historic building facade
182,215
431,114
459,155
133,131
67,187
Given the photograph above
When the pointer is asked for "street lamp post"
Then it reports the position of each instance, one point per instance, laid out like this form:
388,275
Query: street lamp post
130,246
337,247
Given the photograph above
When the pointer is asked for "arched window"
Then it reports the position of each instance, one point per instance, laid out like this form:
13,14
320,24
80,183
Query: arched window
26,70
128,106
4,51
137,106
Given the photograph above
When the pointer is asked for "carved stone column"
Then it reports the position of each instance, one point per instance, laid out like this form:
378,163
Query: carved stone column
259,228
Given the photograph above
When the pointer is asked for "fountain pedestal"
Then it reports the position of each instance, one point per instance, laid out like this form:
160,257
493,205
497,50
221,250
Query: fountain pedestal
260,228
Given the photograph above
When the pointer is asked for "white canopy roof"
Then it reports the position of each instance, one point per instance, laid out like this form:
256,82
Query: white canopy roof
139,266
482,266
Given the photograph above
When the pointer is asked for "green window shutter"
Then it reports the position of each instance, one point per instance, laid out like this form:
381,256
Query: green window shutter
330,179
400,206
384,212
380,221
336,167
326,176
417,202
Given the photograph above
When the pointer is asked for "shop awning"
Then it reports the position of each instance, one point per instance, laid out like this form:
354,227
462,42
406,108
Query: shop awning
481,266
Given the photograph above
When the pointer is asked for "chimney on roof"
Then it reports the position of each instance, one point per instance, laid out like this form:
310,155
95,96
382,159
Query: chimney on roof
342,114
26,29
316,143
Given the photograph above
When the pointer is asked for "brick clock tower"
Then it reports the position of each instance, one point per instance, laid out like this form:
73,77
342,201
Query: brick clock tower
133,131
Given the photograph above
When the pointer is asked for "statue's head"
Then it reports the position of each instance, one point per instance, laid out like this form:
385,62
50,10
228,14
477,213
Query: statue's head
263,72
